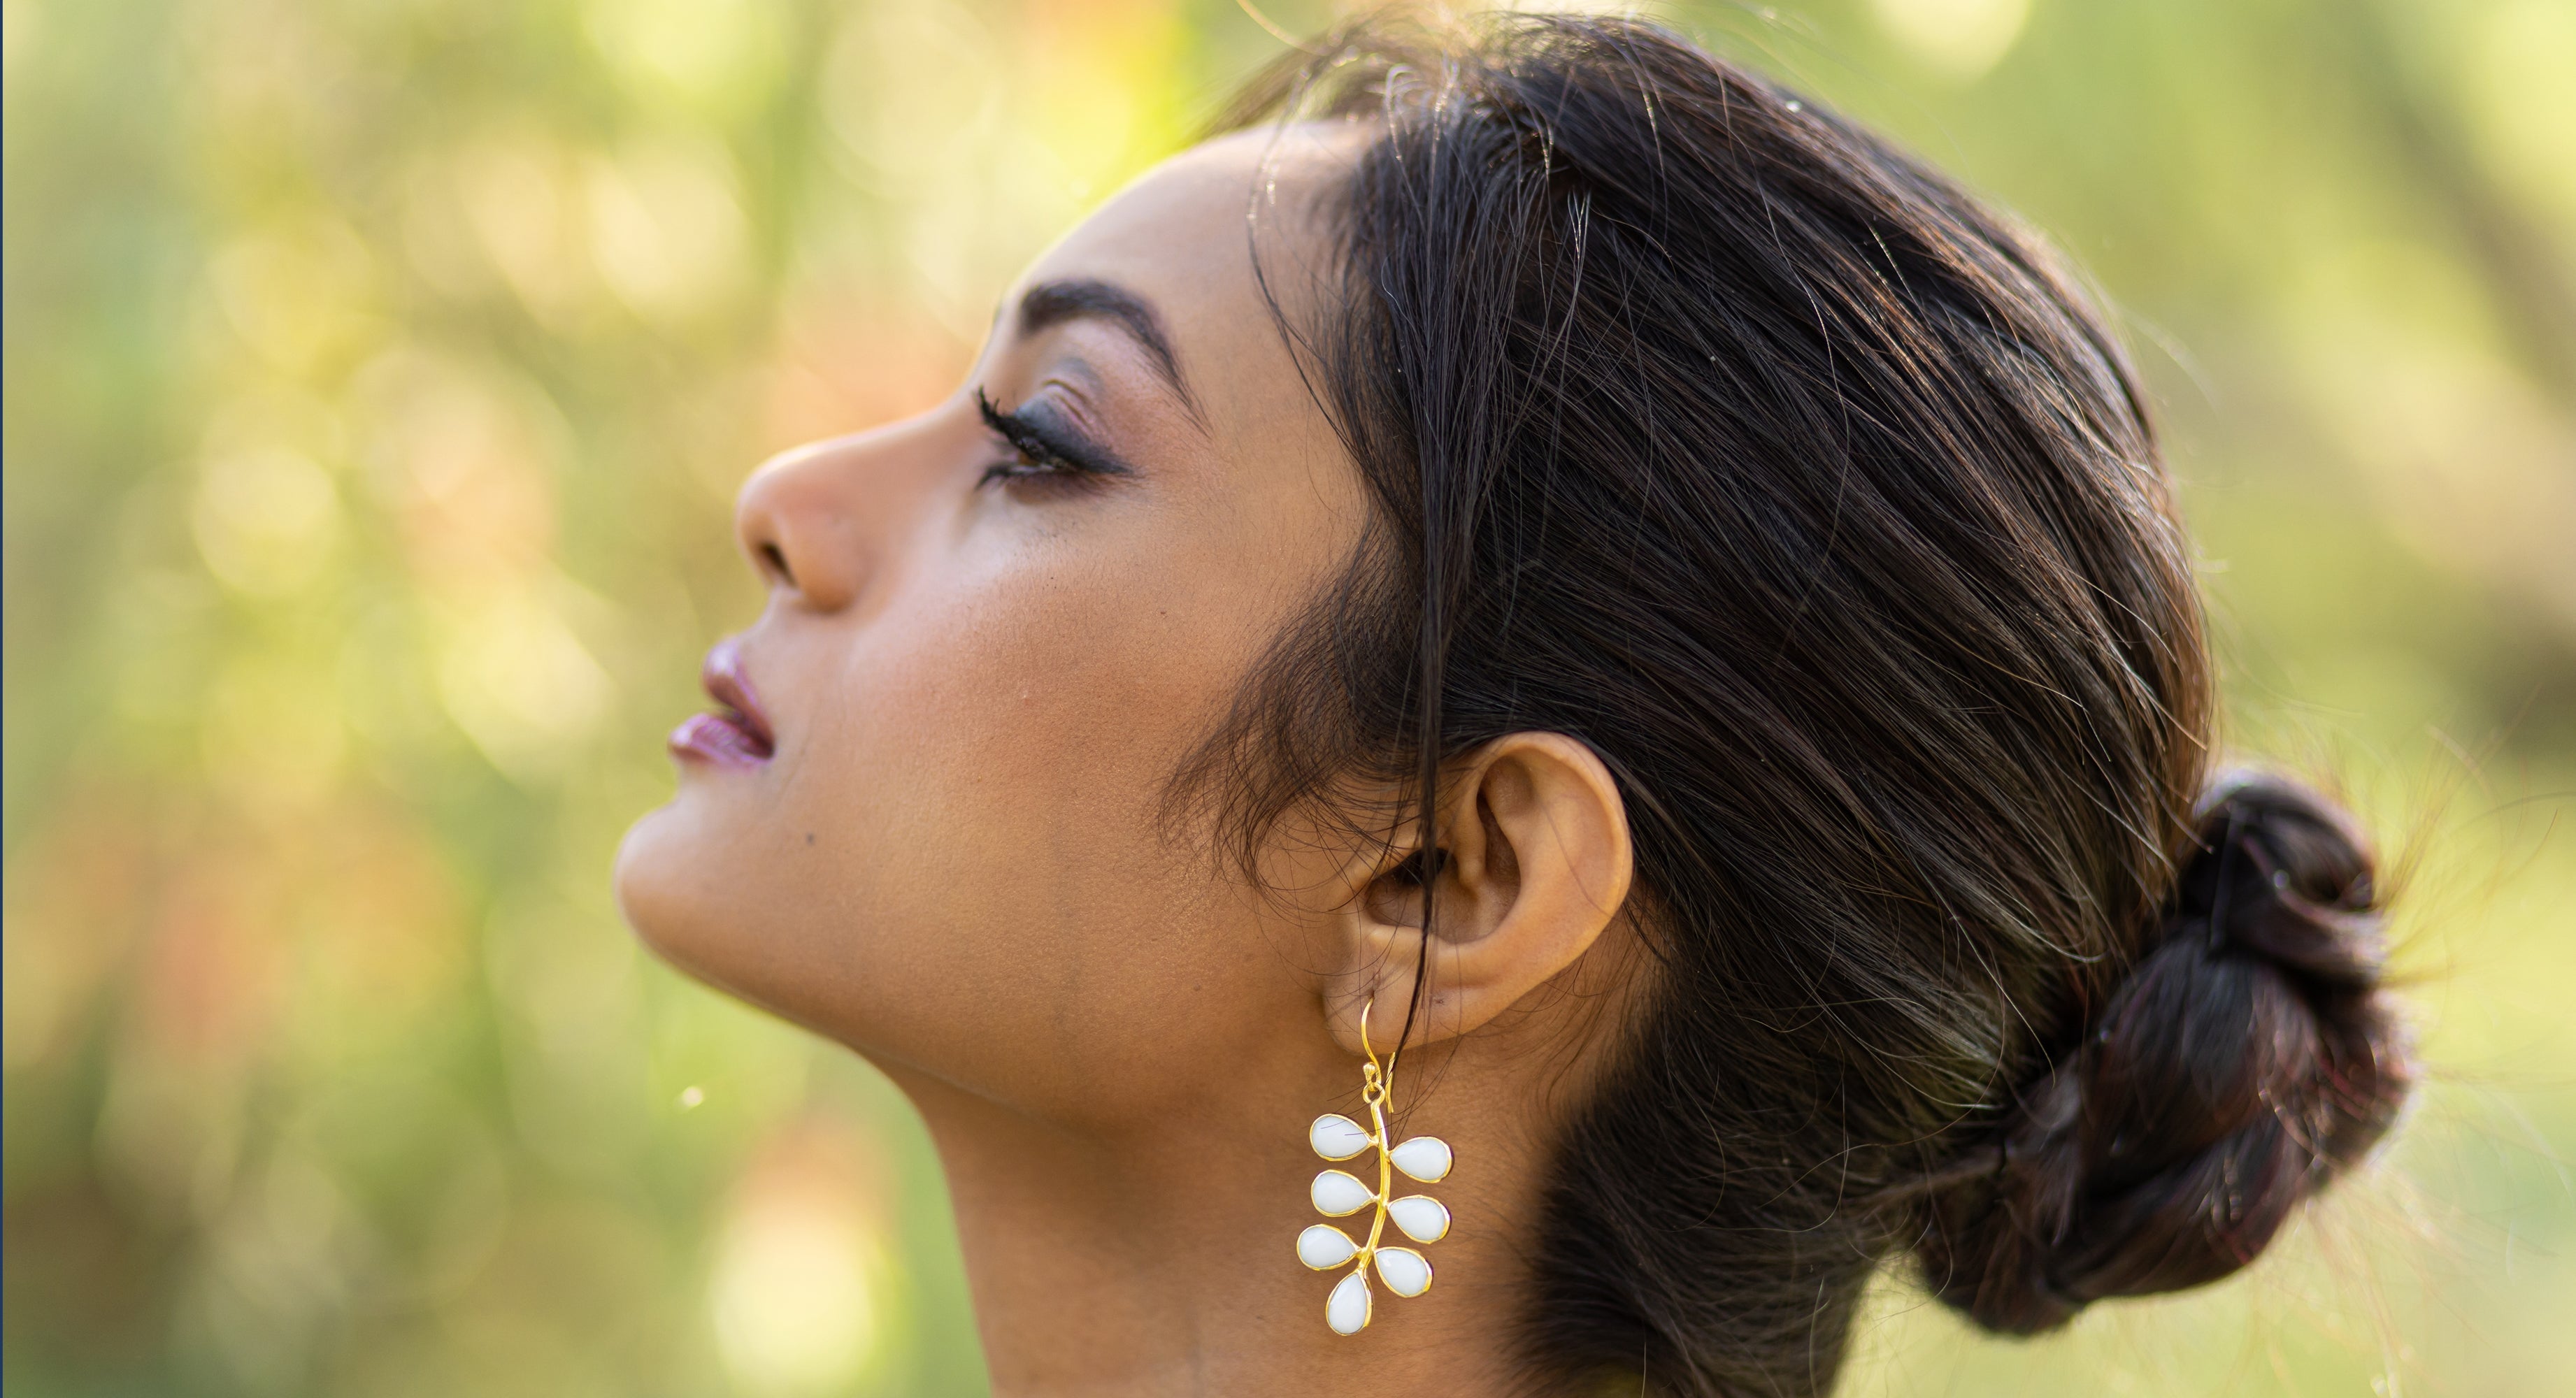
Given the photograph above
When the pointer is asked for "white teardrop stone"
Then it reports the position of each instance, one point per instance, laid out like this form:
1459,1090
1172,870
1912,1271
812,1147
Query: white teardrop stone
1348,1310
1336,1137
1423,1218
1337,1193
1322,1246
1426,1158
1404,1271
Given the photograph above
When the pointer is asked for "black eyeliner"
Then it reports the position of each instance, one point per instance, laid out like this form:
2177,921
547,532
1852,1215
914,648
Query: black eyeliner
1035,437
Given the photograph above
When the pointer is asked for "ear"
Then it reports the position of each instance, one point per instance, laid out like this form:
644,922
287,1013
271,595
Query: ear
1534,863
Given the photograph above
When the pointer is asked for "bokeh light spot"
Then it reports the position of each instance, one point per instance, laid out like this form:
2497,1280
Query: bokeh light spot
795,1294
1959,38
265,520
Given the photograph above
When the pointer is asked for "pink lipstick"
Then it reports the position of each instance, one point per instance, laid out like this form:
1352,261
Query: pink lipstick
737,733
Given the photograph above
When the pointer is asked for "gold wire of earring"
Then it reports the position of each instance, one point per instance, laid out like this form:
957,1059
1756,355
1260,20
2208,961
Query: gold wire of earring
1338,1194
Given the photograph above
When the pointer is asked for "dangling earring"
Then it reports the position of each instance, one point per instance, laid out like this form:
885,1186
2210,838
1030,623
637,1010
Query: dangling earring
1338,1194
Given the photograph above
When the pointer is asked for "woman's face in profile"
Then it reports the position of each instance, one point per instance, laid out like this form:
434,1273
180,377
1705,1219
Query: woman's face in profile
932,828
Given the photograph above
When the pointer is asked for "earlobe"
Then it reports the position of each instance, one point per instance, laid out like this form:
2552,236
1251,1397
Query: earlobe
1534,865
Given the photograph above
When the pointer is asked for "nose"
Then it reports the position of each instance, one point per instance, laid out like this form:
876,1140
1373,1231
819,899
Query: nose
797,520
818,520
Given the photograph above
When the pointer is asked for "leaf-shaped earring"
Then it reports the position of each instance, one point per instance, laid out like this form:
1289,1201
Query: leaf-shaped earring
1338,1193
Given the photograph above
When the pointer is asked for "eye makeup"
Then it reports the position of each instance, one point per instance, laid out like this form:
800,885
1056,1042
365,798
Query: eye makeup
1046,445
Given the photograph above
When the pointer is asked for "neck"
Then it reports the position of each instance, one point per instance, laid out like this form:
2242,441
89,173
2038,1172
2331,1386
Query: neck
1158,1257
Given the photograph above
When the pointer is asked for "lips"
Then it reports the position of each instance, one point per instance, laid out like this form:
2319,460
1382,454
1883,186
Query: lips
737,733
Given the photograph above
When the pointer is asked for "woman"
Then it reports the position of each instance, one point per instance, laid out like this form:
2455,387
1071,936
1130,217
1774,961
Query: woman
1620,650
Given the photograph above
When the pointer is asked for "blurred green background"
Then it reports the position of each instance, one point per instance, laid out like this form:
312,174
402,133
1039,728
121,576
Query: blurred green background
366,358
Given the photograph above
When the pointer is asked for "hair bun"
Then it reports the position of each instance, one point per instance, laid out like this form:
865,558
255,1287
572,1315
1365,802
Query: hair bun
2246,1059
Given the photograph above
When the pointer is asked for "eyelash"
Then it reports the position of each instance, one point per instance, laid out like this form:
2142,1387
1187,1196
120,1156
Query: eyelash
1040,457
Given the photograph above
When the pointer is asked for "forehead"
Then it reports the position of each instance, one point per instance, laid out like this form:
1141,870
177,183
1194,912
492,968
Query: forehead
1182,237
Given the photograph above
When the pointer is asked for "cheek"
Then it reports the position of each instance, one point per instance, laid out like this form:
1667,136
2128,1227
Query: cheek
1004,748
963,864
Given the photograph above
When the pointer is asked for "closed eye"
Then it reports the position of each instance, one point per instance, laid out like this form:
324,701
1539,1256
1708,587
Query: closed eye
1043,450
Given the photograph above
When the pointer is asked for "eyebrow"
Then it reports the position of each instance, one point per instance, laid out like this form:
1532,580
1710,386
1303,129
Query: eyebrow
1056,303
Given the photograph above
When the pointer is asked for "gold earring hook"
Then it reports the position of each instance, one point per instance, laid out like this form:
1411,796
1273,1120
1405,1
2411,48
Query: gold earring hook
1374,1080
1377,1079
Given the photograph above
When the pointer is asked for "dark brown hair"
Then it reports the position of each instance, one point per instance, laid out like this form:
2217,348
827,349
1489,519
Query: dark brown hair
1705,427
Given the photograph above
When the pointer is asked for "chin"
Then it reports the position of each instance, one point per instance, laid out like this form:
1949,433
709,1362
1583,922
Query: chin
669,896
714,902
